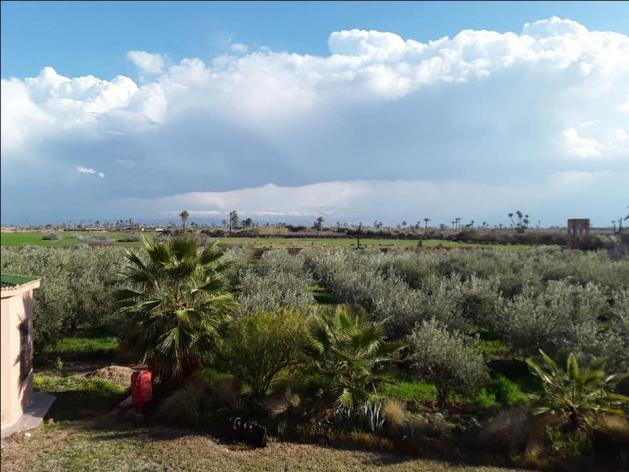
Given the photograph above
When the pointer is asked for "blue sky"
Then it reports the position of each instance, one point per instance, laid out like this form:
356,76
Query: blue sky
66,34
352,110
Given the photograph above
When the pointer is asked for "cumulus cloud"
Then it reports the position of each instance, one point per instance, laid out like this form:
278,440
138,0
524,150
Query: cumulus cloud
480,108
580,146
239,48
89,170
151,63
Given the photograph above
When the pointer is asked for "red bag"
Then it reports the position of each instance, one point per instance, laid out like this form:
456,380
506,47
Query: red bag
141,387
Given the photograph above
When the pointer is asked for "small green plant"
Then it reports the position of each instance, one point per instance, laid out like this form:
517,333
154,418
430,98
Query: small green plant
349,352
373,415
567,444
576,394
58,364
506,392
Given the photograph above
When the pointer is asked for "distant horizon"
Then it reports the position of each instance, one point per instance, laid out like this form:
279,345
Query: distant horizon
353,111
328,223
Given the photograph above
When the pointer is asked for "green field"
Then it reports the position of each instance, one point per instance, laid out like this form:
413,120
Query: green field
71,238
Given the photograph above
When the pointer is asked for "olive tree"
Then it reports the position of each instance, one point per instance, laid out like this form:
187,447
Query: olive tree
449,359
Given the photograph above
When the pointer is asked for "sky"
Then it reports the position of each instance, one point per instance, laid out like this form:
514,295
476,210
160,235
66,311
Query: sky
287,111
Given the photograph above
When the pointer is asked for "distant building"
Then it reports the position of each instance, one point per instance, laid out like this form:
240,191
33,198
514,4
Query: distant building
17,345
578,229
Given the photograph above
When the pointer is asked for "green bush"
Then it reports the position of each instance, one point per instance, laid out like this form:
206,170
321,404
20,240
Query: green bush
502,391
275,291
449,359
506,392
261,346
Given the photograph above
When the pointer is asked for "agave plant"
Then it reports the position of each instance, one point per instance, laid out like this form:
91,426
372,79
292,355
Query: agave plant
577,393
374,417
349,352
174,300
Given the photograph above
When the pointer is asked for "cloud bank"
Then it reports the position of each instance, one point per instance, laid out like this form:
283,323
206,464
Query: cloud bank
481,122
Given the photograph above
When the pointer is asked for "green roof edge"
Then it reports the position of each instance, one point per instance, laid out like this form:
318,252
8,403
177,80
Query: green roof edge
16,280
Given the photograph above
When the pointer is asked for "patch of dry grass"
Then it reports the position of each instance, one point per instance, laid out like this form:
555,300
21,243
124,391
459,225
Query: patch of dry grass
106,445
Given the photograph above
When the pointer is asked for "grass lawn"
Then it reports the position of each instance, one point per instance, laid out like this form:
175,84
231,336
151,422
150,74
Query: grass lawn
78,397
69,238
84,346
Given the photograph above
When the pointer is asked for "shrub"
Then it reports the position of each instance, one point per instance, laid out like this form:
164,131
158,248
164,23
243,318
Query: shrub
99,240
239,261
51,237
506,393
507,432
275,291
549,319
131,238
279,260
450,360
261,346
189,406
395,415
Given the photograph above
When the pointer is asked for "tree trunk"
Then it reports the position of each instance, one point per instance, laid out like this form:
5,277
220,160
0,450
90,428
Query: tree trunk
442,398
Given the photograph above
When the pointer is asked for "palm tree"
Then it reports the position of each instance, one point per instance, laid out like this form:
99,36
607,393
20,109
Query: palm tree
184,217
318,224
576,393
426,220
233,220
174,300
348,352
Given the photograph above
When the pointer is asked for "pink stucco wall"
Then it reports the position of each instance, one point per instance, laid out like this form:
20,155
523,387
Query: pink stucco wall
17,306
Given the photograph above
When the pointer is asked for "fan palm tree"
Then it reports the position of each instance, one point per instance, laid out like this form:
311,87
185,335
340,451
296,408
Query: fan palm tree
174,300
184,217
576,393
349,353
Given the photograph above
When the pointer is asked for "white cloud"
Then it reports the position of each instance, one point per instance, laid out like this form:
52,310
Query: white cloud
364,200
89,170
239,48
151,63
580,146
552,27
479,107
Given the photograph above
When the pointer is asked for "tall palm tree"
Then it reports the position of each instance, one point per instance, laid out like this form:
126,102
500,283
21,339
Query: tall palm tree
184,217
426,220
174,299
348,352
